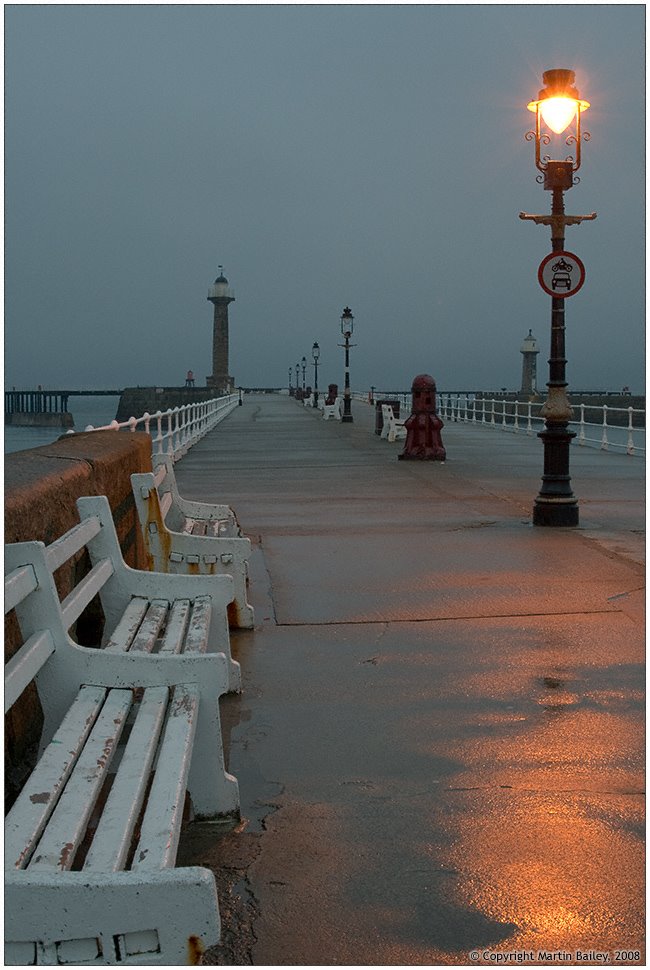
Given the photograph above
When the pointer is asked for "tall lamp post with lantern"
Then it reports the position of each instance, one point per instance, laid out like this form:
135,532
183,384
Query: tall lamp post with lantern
558,109
315,353
347,326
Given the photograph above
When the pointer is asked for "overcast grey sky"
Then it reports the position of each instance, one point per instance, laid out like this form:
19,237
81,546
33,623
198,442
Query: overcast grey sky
370,156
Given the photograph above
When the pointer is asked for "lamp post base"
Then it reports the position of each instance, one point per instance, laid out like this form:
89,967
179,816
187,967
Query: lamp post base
556,513
556,505
347,418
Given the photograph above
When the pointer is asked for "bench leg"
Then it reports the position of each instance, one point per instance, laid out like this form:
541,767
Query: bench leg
214,792
168,917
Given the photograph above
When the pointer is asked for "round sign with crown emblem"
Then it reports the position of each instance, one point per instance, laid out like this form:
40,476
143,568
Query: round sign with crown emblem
561,274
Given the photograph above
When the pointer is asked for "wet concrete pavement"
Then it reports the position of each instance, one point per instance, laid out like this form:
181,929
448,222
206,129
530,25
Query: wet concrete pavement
439,743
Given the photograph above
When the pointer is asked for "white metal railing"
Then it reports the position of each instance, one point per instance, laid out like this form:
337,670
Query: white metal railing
174,431
620,429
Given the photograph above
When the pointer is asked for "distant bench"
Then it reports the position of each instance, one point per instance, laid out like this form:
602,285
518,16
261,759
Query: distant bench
392,429
332,410
91,841
186,537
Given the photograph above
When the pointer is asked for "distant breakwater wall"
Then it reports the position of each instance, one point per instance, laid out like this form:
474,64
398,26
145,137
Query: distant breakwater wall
620,403
41,489
40,419
135,401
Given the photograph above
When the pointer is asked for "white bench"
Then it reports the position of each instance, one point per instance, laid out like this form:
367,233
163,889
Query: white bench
170,548
91,841
183,515
392,429
332,410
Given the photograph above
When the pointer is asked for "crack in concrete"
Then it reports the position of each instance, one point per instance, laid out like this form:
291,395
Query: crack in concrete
445,619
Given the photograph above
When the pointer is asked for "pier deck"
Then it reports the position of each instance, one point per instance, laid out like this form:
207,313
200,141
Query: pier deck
439,744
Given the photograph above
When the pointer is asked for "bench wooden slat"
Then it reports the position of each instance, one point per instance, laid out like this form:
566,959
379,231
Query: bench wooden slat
122,636
159,475
187,527
25,664
31,810
64,548
152,624
197,635
165,502
18,584
112,840
67,825
161,824
199,528
74,604
174,636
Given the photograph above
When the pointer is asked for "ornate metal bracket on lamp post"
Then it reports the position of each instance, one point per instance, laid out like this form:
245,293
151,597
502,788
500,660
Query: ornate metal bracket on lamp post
557,107
347,326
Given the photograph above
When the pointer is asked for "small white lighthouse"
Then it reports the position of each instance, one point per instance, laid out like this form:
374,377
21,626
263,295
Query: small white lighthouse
529,350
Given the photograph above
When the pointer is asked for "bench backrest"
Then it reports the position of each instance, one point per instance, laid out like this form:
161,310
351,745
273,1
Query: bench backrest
30,590
24,665
388,419
164,481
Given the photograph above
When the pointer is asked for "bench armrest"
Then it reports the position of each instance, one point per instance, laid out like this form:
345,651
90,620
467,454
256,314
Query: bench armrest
203,510
188,545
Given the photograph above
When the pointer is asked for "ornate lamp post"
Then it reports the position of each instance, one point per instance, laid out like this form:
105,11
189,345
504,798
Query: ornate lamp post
298,382
291,392
347,326
304,386
315,353
558,108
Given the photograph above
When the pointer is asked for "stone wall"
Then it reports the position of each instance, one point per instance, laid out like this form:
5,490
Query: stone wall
40,419
135,401
623,401
41,488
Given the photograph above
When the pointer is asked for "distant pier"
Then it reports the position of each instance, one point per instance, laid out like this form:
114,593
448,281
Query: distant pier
44,408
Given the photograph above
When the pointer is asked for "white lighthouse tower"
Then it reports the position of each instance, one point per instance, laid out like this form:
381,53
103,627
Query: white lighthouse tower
529,350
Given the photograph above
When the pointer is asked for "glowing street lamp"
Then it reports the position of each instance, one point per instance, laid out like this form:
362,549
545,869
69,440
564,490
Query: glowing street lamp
558,107
559,101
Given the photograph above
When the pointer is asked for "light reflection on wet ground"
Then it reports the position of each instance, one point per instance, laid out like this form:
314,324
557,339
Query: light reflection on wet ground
416,790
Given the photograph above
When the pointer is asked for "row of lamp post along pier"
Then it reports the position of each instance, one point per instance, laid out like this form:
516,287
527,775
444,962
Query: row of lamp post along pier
558,108
347,326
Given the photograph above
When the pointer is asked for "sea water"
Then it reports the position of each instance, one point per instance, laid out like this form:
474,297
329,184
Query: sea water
97,411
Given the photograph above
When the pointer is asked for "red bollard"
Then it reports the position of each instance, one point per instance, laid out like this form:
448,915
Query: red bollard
423,440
